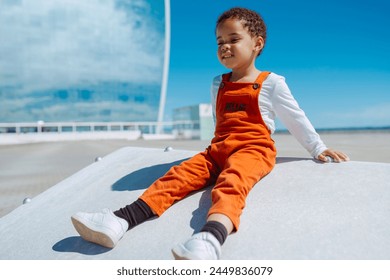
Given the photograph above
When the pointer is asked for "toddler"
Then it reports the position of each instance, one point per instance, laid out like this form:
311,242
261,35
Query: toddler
245,102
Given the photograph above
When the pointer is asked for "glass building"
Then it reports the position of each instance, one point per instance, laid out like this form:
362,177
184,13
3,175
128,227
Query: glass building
83,61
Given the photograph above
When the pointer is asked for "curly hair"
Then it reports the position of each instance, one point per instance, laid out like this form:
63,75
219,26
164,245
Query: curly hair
251,20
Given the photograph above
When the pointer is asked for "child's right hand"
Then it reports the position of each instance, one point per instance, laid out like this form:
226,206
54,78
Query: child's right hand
336,156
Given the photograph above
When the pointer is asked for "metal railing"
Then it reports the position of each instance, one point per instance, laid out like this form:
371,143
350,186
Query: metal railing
69,127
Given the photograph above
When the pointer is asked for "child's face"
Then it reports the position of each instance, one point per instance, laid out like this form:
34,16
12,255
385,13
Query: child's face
236,48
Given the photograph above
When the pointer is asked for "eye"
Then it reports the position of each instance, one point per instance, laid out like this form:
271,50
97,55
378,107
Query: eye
234,40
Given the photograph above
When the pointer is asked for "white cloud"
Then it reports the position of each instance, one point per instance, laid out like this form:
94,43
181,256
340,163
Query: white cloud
60,44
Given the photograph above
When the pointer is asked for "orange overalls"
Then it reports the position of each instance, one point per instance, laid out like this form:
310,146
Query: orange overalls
240,154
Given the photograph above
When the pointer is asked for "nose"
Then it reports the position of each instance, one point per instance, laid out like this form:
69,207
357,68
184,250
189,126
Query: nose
224,47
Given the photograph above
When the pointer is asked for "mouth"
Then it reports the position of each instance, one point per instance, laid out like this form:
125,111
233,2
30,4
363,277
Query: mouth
227,56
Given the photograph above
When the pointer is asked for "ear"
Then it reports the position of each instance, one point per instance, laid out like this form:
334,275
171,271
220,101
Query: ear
259,44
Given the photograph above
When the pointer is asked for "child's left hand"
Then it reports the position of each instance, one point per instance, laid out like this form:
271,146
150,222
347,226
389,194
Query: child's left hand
336,156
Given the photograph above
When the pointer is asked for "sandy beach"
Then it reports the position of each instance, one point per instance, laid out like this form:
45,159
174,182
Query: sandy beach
29,169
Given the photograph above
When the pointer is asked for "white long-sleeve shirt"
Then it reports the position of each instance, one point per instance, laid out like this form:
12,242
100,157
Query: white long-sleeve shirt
276,100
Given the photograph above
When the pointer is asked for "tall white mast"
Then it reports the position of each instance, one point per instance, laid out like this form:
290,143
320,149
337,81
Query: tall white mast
164,83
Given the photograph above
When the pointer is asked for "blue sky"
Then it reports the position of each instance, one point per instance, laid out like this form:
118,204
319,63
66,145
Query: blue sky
334,54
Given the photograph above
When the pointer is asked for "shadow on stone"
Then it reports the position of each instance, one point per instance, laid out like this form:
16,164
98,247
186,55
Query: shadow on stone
199,215
75,244
143,178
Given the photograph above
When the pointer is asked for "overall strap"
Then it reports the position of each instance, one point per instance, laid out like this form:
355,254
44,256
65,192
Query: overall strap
260,79
226,77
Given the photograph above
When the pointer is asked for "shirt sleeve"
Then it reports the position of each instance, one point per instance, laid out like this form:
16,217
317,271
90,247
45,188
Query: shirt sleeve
293,117
214,92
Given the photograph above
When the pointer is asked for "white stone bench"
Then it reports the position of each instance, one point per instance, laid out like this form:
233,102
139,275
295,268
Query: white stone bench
302,210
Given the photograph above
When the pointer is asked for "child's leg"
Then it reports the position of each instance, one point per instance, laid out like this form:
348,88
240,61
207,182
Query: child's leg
241,172
135,213
107,228
219,219
191,175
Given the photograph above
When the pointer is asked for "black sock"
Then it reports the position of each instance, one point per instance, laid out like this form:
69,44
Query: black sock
135,213
217,229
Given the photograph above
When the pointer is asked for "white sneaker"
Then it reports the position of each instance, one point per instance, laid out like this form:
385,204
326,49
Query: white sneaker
103,228
201,246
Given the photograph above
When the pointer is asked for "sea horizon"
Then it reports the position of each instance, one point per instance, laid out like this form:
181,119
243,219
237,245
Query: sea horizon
344,129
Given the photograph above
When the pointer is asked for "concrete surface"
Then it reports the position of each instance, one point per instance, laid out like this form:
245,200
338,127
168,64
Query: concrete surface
302,210
27,170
